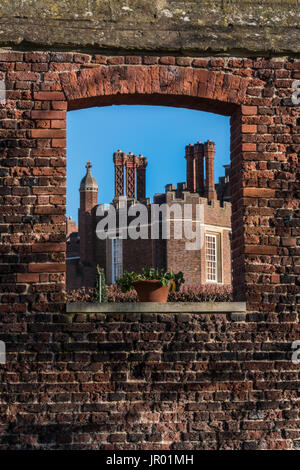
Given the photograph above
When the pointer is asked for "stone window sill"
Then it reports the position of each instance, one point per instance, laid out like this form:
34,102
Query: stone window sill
157,307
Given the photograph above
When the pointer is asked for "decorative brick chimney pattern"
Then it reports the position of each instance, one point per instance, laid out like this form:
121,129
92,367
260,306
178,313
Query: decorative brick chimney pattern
135,175
141,177
119,159
131,165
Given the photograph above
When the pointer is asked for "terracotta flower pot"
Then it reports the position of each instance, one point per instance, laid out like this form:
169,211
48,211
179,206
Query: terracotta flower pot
151,291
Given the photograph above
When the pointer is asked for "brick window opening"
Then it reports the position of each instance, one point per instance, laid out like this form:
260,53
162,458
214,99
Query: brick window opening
125,176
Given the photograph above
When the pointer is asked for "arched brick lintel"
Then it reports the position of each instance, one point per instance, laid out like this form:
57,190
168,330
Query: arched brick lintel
176,86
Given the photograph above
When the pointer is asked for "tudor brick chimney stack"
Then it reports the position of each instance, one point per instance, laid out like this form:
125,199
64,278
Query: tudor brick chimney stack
199,168
194,155
119,162
209,153
135,175
131,165
141,177
189,155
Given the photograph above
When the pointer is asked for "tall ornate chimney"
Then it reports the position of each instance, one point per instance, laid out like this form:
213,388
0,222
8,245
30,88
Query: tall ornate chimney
199,168
209,153
131,164
119,161
141,177
194,155
189,155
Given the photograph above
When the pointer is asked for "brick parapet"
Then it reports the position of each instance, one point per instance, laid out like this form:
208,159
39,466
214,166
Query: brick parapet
220,211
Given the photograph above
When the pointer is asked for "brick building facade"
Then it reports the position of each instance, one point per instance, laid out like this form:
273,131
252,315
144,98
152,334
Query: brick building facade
209,264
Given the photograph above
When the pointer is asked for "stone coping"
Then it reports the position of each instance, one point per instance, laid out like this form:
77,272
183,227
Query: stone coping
157,307
240,27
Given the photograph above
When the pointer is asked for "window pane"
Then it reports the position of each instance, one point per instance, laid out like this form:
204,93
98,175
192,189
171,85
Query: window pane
117,267
211,258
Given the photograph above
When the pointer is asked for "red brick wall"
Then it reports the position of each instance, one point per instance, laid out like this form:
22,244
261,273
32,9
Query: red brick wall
189,262
74,275
65,385
226,257
131,381
193,262
138,254
73,266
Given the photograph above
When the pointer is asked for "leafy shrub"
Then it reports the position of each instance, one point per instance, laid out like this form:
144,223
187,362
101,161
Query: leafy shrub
80,295
204,293
114,294
191,293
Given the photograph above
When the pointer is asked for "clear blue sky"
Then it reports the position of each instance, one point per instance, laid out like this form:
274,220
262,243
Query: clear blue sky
159,133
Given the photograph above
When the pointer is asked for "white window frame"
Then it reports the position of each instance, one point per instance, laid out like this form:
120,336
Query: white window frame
207,260
116,259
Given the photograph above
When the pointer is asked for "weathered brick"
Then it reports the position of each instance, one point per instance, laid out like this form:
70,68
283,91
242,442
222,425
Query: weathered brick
46,267
249,147
115,60
48,247
27,277
49,95
59,143
259,192
261,249
48,115
48,133
167,60
249,128
289,241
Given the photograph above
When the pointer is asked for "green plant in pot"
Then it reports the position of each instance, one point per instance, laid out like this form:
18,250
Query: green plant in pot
152,284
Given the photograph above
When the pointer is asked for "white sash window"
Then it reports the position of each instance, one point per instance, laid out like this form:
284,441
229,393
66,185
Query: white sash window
211,258
117,259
